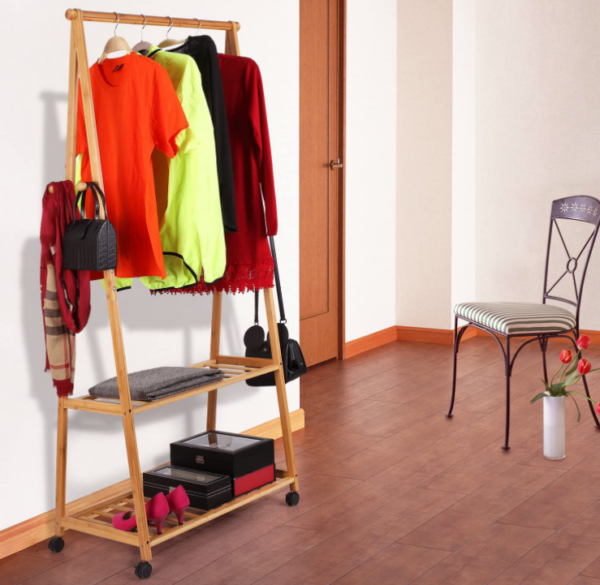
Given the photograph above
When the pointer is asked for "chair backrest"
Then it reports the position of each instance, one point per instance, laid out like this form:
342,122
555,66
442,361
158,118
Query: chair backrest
580,208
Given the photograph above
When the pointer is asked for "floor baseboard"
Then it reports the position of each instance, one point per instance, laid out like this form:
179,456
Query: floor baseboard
368,342
429,335
424,335
30,532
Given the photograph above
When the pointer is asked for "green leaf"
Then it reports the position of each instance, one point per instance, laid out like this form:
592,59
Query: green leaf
558,373
573,367
572,379
582,396
577,405
540,395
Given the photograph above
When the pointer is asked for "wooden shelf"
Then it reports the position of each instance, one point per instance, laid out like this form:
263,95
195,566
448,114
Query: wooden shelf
235,369
97,520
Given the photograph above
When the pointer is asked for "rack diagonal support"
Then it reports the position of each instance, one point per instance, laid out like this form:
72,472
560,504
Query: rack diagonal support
81,65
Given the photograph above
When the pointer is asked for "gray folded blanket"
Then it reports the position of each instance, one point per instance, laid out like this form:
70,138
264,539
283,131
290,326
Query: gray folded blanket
158,383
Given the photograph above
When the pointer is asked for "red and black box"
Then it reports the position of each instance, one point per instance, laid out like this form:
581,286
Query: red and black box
248,461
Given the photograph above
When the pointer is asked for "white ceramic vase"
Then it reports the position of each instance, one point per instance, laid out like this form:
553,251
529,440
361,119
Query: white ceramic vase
554,427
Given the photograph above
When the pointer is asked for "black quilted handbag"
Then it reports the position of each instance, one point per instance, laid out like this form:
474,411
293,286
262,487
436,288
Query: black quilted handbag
90,244
294,365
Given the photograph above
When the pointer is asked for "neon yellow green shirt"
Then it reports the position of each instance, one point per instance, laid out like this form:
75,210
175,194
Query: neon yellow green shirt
187,187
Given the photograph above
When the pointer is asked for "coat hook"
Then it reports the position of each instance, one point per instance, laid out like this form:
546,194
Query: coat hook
143,27
118,22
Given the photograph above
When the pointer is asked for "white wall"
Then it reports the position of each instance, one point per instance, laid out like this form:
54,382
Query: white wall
538,137
497,116
424,163
370,167
159,330
464,153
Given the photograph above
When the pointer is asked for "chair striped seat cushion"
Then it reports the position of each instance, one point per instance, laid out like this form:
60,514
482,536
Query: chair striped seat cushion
518,318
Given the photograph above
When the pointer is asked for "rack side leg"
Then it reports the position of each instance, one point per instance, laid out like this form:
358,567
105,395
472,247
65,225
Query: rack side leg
133,458
215,341
137,486
211,415
284,413
61,466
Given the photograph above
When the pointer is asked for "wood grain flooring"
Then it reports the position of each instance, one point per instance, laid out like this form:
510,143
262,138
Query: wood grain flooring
392,492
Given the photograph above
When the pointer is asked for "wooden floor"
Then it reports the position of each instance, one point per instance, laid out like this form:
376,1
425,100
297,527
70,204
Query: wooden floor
392,492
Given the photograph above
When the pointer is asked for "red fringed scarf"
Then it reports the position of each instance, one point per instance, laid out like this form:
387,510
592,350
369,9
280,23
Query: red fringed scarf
65,293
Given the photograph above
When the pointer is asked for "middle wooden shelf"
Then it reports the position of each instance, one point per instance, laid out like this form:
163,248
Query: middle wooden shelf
235,369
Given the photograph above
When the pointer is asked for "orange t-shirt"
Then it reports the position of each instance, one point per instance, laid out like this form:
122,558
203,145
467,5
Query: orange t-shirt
136,110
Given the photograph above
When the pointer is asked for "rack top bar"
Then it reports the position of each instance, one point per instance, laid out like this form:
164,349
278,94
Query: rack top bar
71,14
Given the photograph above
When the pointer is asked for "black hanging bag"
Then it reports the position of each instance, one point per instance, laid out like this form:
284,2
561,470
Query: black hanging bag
294,365
90,244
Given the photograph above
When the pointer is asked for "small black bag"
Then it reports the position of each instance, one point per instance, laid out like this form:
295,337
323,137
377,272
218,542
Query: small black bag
294,365
90,244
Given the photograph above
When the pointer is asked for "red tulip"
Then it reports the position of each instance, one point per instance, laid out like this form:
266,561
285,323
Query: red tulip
598,408
583,367
583,342
566,356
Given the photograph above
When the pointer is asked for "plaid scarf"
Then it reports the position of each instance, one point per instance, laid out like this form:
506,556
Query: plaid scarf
65,293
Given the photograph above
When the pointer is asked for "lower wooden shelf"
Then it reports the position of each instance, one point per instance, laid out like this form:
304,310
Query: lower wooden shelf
97,520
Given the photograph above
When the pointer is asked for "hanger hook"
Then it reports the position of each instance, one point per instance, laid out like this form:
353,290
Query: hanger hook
199,23
170,27
143,27
118,22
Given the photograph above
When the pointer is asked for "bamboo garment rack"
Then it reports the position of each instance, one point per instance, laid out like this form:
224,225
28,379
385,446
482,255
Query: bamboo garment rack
96,519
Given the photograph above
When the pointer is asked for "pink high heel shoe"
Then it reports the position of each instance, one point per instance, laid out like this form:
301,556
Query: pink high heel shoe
178,501
157,509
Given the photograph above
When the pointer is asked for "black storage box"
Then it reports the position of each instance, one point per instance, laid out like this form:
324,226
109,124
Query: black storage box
205,490
223,453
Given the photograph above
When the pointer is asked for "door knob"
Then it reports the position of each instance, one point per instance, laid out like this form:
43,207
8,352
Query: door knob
335,164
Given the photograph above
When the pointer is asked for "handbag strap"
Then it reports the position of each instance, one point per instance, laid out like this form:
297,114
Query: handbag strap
80,204
282,318
98,198
256,294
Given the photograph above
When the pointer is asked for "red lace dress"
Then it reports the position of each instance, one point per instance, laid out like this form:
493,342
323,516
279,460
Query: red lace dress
249,261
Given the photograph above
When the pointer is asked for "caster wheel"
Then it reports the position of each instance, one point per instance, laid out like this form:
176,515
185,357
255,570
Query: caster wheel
143,570
292,498
56,544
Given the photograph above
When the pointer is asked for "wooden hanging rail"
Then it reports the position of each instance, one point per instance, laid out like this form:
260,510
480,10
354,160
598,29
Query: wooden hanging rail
96,519
140,19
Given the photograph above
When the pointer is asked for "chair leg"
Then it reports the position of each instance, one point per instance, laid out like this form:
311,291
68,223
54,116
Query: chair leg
508,373
456,342
544,347
587,393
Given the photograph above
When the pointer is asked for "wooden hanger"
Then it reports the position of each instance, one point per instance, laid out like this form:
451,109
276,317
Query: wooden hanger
170,42
115,44
142,45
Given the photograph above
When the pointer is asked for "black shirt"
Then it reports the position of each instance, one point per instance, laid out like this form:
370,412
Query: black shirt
204,52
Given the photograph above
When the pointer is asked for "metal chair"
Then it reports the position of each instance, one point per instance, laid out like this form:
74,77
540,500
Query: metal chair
540,322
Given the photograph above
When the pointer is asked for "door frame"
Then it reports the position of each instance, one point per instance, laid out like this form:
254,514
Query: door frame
341,65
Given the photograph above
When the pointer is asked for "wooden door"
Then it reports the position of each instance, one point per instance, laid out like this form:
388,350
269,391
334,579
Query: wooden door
322,52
